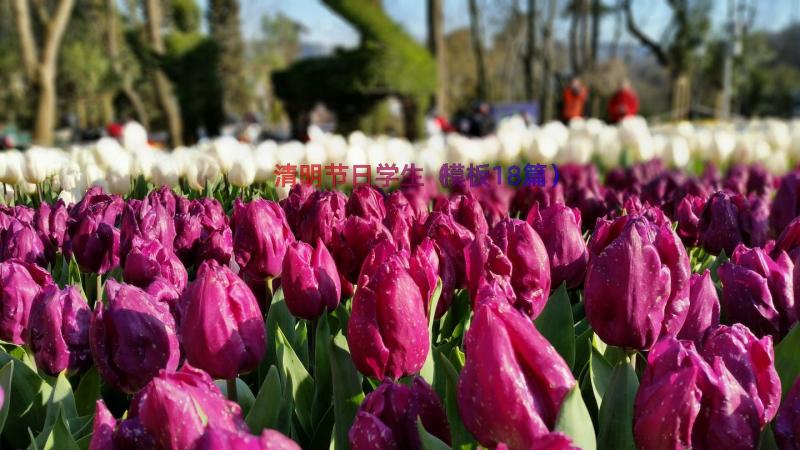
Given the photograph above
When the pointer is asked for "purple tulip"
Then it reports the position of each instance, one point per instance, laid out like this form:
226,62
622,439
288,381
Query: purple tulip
110,434
466,210
21,241
685,402
164,291
221,320
176,407
688,217
104,207
387,418
424,269
513,383
149,260
202,232
95,246
51,224
637,282
789,241
293,204
703,308
166,198
353,241
366,201
310,280
786,205
132,337
388,328
222,439
527,196
721,222
758,291
751,361
401,219
59,330
452,238
378,256
787,422
484,261
20,283
149,221
322,213
559,227
260,237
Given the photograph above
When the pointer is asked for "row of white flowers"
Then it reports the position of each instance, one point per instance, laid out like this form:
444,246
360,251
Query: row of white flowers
113,164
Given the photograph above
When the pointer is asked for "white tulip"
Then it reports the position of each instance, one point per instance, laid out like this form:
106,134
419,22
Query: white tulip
35,168
165,172
677,152
723,145
243,172
118,182
336,147
134,136
290,153
71,177
225,149
608,147
203,170
315,153
13,167
264,160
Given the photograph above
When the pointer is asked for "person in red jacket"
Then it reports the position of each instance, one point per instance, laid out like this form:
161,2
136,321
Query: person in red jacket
575,96
624,103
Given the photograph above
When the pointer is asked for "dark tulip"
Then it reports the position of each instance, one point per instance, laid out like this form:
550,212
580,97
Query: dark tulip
513,383
293,204
758,291
789,241
559,227
720,223
149,221
310,280
20,283
366,201
176,407
755,221
164,291
104,207
685,402
484,261
751,361
466,210
260,237
688,217
352,242
787,422
51,224
424,269
786,204
132,337
221,439
221,319
703,308
452,238
149,260
527,196
495,200
110,434
401,218
637,282
387,418
166,198
95,245
202,232
378,256
322,213
21,241
388,328
59,330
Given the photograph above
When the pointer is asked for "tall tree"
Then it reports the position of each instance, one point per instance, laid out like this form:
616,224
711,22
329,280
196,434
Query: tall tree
530,49
685,33
41,63
548,63
437,47
164,92
122,73
477,47
223,21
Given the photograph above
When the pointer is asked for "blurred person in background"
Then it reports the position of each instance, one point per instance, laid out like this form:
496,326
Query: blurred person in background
574,100
482,121
624,103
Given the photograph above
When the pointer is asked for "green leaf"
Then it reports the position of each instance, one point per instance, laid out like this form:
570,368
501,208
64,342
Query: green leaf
427,371
6,376
555,324
347,394
324,431
787,359
84,442
244,395
715,265
616,412
301,382
583,351
574,421
29,406
88,392
278,317
462,439
266,410
61,401
600,371
429,441
767,440
323,393
80,426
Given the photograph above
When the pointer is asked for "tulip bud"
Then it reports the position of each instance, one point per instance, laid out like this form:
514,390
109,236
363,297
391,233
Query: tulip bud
484,260
637,282
132,337
221,439
353,241
149,260
786,204
787,422
720,223
703,308
751,361
20,283
365,201
758,291
688,217
466,210
789,241
401,219
452,239
310,280
388,328
260,237
322,213
21,241
202,232
59,330
424,269
148,221
559,227
51,224
109,434
221,318
387,418
176,407
293,204
513,383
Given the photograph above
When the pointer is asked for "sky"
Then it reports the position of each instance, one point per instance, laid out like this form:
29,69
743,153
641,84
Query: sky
326,28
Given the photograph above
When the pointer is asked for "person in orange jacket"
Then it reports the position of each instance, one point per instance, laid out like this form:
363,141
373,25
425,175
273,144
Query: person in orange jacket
624,103
575,96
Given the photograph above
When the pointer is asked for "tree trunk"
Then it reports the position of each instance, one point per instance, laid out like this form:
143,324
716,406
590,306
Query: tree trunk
45,123
548,93
596,17
530,50
437,46
477,48
225,29
164,92
681,96
119,70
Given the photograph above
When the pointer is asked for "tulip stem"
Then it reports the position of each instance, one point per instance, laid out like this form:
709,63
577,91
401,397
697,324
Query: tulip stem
312,343
99,287
632,360
232,394
39,192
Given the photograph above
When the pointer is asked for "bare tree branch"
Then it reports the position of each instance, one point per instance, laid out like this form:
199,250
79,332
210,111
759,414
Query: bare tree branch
41,11
55,31
652,45
27,41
